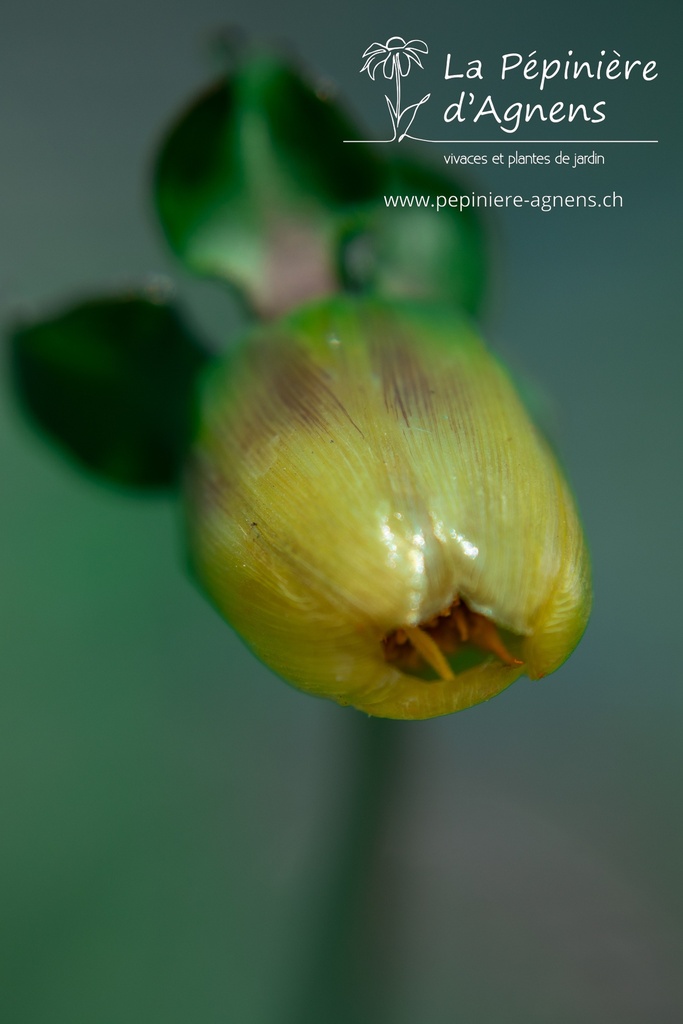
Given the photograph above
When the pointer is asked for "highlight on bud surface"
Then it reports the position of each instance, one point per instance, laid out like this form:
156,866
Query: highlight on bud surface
371,507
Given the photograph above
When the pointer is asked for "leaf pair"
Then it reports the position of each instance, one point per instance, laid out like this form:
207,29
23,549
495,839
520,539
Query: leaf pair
257,185
254,185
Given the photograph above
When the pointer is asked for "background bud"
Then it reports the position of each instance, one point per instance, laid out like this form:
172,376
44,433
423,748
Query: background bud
250,182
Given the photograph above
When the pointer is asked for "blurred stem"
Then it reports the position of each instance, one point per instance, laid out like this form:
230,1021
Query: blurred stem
343,963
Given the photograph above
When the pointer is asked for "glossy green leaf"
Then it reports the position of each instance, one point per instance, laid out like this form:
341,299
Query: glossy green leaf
417,251
111,382
250,181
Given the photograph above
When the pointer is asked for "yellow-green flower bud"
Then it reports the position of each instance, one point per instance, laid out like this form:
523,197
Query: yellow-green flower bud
372,509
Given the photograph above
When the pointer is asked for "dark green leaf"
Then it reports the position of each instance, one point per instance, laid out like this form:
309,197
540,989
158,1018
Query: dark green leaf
111,382
249,183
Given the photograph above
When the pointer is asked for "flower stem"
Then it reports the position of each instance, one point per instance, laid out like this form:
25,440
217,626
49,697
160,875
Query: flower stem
340,979
397,72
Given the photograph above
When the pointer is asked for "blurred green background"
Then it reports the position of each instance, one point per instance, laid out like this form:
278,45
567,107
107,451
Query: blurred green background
169,809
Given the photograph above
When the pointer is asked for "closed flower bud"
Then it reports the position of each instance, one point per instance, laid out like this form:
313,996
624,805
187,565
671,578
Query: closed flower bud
372,509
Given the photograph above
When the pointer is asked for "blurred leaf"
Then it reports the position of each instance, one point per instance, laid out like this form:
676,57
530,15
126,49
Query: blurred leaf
419,251
249,183
111,382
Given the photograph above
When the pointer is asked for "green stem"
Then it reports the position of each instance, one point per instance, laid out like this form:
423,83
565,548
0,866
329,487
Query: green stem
339,979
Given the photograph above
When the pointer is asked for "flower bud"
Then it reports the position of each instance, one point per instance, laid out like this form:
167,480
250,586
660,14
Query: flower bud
372,509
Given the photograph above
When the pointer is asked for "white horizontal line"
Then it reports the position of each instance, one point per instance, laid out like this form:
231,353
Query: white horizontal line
518,142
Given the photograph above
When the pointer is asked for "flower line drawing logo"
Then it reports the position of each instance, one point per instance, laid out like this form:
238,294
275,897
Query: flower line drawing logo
396,58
